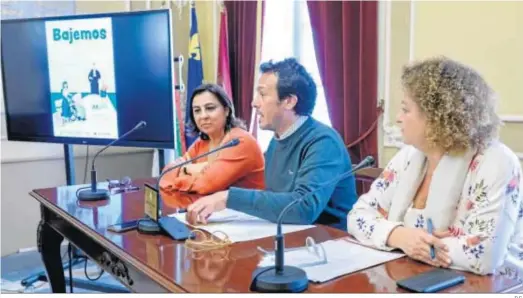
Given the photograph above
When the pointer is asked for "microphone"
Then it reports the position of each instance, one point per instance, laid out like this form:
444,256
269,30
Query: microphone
93,193
290,279
229,144
149,226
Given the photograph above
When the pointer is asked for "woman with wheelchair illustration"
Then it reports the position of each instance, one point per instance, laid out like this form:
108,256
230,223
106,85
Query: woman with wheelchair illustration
72,108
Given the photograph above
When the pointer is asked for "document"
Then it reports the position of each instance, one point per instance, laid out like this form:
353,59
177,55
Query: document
239,226
341,256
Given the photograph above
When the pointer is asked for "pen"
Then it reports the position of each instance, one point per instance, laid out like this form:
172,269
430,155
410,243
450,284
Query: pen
430,229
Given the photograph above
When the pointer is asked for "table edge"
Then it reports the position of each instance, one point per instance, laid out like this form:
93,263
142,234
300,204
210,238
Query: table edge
122,254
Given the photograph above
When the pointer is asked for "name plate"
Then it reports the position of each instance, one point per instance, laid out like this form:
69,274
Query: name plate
151,202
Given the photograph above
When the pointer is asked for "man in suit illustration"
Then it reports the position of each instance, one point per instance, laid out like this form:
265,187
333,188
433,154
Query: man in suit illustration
94,77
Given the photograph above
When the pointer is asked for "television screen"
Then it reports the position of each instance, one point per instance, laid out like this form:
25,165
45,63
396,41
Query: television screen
88,79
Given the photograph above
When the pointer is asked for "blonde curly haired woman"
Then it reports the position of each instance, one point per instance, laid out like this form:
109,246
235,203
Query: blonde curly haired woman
453,174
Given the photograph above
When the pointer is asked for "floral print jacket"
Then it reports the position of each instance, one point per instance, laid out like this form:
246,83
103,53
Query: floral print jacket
487,230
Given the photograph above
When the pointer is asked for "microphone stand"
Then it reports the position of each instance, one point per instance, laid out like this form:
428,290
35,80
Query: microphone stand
99,194
291,279
148,225
93,193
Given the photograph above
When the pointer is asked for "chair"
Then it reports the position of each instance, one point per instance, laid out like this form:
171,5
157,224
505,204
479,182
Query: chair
365,177
368,174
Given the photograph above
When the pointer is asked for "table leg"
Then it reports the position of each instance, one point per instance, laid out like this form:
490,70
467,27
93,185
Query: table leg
49,242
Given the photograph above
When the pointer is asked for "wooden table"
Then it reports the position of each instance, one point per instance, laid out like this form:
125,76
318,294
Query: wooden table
156,263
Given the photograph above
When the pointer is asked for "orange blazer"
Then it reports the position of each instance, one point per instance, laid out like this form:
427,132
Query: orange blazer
241,166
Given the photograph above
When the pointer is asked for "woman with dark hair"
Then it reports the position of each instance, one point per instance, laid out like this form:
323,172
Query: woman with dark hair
213,120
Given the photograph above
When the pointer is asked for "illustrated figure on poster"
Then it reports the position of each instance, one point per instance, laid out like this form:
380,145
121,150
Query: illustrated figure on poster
94,77
67,110
79,107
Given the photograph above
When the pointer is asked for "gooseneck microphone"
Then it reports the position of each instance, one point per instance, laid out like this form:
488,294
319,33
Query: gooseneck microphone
93,193
290,279
151,227
229,144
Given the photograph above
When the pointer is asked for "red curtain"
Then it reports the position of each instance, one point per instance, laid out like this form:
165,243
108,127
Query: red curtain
346,42
241,18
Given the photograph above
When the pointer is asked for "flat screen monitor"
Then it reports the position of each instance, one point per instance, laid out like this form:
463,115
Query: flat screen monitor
88,79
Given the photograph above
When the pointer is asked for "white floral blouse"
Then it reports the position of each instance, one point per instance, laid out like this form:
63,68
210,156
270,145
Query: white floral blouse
487,231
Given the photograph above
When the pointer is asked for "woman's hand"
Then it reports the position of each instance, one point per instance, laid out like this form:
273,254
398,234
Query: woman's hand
166,183
176,162
194,169
416,243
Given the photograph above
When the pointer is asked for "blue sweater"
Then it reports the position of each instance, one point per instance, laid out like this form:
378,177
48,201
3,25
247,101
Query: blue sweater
312,155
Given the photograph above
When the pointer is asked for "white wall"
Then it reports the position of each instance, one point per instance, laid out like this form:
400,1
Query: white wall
20,213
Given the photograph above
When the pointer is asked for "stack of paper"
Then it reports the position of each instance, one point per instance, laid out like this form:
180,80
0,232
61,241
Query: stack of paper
239,226
343,257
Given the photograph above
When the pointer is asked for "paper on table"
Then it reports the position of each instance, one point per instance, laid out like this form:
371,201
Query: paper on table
343,257
240,226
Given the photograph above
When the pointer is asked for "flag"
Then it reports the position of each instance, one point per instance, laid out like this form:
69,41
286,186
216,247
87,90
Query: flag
224,73
180,146
195,73
179,138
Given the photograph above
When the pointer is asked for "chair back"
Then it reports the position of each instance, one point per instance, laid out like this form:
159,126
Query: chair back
365,177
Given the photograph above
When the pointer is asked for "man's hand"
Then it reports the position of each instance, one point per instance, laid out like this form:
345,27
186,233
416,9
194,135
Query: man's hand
199,211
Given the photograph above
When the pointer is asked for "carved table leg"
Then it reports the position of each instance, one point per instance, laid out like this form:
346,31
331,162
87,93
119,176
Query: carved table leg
49,242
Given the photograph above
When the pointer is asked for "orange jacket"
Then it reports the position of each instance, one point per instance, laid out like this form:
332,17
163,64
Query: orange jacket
241,166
